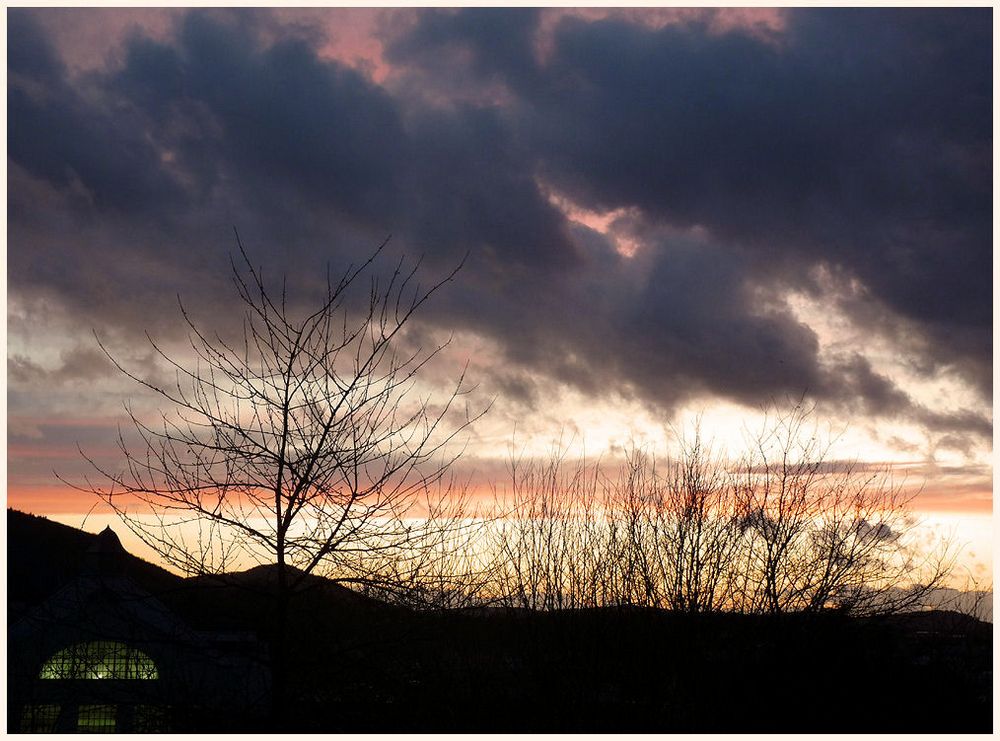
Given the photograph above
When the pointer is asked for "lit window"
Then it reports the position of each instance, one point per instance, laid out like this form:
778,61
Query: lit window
99,660
96,719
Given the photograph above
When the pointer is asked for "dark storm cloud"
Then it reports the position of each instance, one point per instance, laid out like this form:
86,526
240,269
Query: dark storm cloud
56,134
325,135
862,140
859,141
488,44
29,52
877,395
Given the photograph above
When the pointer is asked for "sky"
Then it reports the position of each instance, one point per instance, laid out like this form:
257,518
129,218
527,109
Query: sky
665,214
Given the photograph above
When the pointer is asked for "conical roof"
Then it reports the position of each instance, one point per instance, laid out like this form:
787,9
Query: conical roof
106,542
105,557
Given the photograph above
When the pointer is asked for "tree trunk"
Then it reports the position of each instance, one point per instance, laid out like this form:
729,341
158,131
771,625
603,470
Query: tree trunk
279,653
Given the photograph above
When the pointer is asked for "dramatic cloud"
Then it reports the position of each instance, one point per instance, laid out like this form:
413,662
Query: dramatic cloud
637,194
862,141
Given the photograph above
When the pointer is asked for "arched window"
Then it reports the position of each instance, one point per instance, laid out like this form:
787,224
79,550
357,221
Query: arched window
99,660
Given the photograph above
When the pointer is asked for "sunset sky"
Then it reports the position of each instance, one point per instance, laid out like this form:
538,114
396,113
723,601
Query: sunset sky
667,213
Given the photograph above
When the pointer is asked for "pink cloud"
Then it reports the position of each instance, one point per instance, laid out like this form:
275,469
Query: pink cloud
763,23
86,37
351,35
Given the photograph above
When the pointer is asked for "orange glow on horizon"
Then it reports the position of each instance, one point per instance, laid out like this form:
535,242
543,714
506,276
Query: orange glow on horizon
62,499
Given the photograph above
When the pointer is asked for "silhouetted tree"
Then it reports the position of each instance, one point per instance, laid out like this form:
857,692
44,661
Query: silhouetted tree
816,533
780,529
302,443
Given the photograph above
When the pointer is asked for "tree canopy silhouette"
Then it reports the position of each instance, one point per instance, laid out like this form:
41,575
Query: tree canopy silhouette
303,443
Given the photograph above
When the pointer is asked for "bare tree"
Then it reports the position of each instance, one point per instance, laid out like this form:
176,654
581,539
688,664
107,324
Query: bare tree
303,443
817,533
782,529
693,529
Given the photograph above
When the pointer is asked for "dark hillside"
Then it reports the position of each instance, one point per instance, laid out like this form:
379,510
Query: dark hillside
649,671
42,555
364,666
241,601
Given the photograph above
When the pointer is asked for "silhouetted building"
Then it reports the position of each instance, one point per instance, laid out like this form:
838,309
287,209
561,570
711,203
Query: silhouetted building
103,655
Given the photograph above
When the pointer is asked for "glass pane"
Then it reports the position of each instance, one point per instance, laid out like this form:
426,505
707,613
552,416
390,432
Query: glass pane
96,719
39,718
99,660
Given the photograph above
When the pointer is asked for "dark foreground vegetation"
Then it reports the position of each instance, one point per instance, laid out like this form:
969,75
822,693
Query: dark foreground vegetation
358,664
